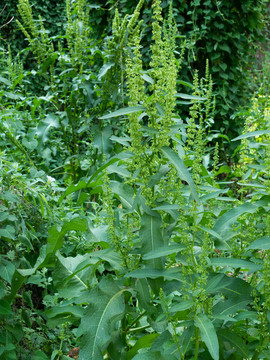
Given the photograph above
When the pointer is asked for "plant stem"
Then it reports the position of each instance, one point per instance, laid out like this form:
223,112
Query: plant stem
197,345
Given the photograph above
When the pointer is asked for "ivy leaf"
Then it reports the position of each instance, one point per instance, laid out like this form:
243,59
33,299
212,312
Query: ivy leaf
100,319
208,334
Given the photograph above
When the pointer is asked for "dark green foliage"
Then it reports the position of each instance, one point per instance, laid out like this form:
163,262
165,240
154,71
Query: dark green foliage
52,13
226,34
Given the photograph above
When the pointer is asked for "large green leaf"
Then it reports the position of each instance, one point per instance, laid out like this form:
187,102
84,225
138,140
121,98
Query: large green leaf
56,236
208,334
181,169
105,308
124,192
123,111
226,220
71,274
190,97
262,243
251,134
170,274
51,121
235,263
163,251
236,341
151,237
230,306
144,342
102,141
61,314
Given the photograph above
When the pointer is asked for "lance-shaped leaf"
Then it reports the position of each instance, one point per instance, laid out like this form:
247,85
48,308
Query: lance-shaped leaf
106,307
151,237
235,263
123,111
226,220
181,169
236,341
208,334
262,243
251,134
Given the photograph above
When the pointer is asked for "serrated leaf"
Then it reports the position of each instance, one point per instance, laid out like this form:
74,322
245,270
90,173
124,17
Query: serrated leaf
251,134
123,111
100,318
181,169
208,334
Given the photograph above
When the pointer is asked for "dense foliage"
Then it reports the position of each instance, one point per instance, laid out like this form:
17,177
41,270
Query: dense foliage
123,235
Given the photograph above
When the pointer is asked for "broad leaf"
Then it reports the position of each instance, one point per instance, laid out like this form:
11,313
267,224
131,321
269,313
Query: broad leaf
71,274
105,308
208,334
151,237
102,141
181,169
